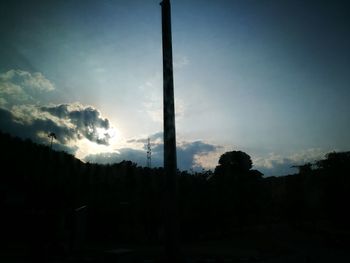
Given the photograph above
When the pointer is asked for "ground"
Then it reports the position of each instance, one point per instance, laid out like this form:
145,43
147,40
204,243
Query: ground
265,243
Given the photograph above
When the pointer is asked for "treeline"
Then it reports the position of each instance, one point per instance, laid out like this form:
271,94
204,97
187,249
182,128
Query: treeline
50,197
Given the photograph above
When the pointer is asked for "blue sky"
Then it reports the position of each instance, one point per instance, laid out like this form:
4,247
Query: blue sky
270,78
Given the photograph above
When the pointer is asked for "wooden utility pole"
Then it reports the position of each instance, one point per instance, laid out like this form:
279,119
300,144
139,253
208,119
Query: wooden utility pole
170,167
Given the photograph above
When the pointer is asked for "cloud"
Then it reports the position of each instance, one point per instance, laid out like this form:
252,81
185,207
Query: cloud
37,129
197,155
190,152
275,164
129,154
156,138
70,122
27,113
270,165
18,87
23,114
209,160
34,81
85,120
187,153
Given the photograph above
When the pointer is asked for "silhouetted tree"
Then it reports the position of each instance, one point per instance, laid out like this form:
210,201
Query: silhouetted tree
235,191
335,160
236,160
125,200
304,168
234,163
52,136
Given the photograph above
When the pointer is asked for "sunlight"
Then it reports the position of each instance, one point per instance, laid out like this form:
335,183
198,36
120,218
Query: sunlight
103,134
86,147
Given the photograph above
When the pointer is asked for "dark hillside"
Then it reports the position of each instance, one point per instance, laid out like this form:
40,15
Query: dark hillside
53,205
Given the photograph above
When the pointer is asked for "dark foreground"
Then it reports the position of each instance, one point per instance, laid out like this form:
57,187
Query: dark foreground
55,208
268,243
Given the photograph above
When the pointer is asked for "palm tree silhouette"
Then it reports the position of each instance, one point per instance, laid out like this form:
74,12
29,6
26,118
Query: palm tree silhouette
52,135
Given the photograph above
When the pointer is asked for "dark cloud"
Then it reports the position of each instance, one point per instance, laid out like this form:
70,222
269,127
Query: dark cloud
85,119
35,129
24,114
186,153
68,122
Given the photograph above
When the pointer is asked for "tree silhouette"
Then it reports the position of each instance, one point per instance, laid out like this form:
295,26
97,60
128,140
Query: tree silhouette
125,201
335,160
235,161
304,168
52,135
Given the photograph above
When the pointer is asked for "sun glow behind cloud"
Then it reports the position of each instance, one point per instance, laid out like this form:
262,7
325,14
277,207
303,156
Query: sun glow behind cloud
79,128
86,147
241,80
85,132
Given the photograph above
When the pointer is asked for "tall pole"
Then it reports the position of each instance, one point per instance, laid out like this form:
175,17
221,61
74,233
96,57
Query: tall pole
171,223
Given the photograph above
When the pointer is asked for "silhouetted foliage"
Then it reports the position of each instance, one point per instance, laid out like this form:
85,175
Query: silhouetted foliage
304,168
45,196
335,160
236,161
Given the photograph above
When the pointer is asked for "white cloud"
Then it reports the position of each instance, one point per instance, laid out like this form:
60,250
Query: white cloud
271,164
276,164
208,160
12,93
38,81
27,80
22,87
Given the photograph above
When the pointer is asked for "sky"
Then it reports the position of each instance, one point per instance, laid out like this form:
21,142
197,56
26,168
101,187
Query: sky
270,78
